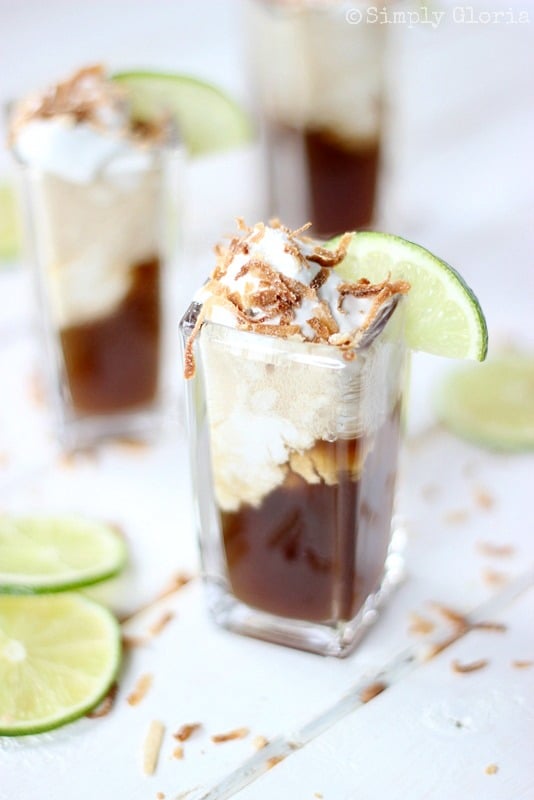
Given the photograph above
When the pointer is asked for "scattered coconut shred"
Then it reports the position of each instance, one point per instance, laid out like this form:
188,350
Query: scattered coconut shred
238,733
140,689
474,666
186,731
152,746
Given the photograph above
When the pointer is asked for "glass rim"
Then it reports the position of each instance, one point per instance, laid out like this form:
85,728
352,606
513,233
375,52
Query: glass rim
295,349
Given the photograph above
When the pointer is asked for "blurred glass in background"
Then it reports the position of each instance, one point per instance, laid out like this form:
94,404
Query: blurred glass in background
100,197
320,87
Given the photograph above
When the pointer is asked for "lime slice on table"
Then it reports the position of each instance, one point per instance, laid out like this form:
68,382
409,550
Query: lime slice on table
443,316
59,655
9,224
207,119
492,403
51,554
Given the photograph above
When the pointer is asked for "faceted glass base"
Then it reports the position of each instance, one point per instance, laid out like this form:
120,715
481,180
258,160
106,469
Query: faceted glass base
78,432
327,639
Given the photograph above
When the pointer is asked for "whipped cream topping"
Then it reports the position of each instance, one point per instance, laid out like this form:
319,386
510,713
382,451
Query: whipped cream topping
81,128
277,282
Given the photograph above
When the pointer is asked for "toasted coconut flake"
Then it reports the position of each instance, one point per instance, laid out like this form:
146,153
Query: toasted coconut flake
498,627
176,583
320,279
302,229
495,550
456,618
140,690
495,578
483,498
259,232
372,691
259,742
419,625
522,664
238,733
161,623
474,666
131,642
178,752
186,731
281,331
104,708
152,746
331,258
434,649
321,329
243,271
154,630
273,761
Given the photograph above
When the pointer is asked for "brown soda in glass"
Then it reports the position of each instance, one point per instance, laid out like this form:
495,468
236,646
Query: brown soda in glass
112,363
315,551
323,179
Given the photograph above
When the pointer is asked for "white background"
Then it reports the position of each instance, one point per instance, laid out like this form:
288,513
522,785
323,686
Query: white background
459,182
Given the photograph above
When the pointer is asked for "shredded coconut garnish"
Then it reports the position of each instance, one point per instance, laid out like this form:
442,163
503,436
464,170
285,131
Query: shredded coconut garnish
263,299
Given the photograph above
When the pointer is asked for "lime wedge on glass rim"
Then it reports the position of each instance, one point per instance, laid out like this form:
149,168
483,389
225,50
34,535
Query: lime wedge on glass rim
207,119
443,316
59,656
491,404
9,223
51,554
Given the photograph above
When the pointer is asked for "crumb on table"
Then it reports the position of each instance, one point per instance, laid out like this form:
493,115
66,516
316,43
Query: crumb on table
473,666
237,733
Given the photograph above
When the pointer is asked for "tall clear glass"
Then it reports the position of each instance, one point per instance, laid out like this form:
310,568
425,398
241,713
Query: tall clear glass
318,76
101,253
294,460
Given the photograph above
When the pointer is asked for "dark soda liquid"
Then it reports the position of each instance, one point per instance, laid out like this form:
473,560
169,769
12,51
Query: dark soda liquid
112,363
314,551
342,183
316,177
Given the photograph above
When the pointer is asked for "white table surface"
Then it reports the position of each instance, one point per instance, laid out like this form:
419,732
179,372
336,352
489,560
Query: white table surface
458,183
